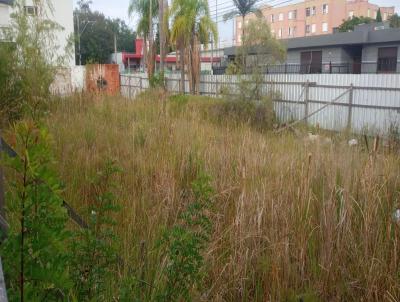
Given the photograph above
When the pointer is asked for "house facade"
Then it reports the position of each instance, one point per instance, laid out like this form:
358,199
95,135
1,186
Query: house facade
61,13
313,17
370,48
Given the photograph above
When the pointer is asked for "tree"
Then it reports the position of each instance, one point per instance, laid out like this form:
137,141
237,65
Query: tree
36,261
243,8
163,31
379,16
147,11
30,62
260,47
349,24
97,35
395,21
125,36
191,26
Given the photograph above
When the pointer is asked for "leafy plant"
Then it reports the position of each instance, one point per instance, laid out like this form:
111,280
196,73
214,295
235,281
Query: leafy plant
157,80
349,24
184,244
95,249
34,253
31,61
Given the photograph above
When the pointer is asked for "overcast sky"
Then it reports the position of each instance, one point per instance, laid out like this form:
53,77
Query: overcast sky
120,10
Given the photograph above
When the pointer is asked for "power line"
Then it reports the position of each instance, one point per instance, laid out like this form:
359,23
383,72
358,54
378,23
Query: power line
261,4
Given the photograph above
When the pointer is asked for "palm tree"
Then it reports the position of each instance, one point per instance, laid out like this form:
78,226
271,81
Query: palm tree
243,8
147,10
191,26
163,30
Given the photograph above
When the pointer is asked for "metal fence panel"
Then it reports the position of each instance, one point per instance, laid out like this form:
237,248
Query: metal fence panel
374,104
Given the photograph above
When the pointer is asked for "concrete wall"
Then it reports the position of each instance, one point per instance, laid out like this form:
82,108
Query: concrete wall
334,55
4,15
63,15
370,55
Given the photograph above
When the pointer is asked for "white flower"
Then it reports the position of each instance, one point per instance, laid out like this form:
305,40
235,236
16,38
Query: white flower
93,213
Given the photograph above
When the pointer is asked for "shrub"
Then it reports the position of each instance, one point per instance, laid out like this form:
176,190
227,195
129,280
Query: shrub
95,258
185,243
35,256
258,114
157,80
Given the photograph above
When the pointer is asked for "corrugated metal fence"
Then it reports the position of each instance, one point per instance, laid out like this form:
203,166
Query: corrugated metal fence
366,102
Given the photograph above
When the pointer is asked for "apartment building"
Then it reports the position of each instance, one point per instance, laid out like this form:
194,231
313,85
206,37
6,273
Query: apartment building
62,13
313,17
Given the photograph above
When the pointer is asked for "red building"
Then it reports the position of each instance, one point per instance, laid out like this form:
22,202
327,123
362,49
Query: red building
134,61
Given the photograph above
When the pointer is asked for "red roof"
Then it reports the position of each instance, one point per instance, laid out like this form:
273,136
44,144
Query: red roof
169,59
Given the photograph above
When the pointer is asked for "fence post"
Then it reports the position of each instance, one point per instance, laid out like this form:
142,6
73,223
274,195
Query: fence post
306,100
350,112
140,84
129,87
216,87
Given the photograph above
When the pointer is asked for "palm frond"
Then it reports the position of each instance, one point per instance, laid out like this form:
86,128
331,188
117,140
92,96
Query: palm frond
231,15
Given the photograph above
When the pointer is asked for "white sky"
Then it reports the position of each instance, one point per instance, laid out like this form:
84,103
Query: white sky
120,10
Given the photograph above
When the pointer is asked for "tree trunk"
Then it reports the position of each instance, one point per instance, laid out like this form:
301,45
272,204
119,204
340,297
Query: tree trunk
161,28
195,65
182,66
243,32
150,61
145,53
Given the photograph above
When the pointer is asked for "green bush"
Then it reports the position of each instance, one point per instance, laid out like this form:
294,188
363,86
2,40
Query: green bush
157,80
185,243
95,258
36,260
258,114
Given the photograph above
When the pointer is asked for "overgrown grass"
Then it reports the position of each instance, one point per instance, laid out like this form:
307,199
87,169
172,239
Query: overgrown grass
292,221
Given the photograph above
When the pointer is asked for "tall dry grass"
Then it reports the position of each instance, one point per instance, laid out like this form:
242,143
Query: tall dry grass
293,221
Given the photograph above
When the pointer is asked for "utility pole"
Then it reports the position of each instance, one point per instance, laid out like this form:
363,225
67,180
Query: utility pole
79,38
80,32
115,48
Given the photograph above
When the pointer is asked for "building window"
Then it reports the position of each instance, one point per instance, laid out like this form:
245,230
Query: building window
31,10
280,33
375,14
292,15
281,17
313,28
272,18
311,62
369,13
351,14
311,11
308,29
324,27
239,25
292,31
387,59
385,16
325,9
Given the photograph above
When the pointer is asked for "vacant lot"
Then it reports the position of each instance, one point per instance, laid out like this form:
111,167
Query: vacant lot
293,218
